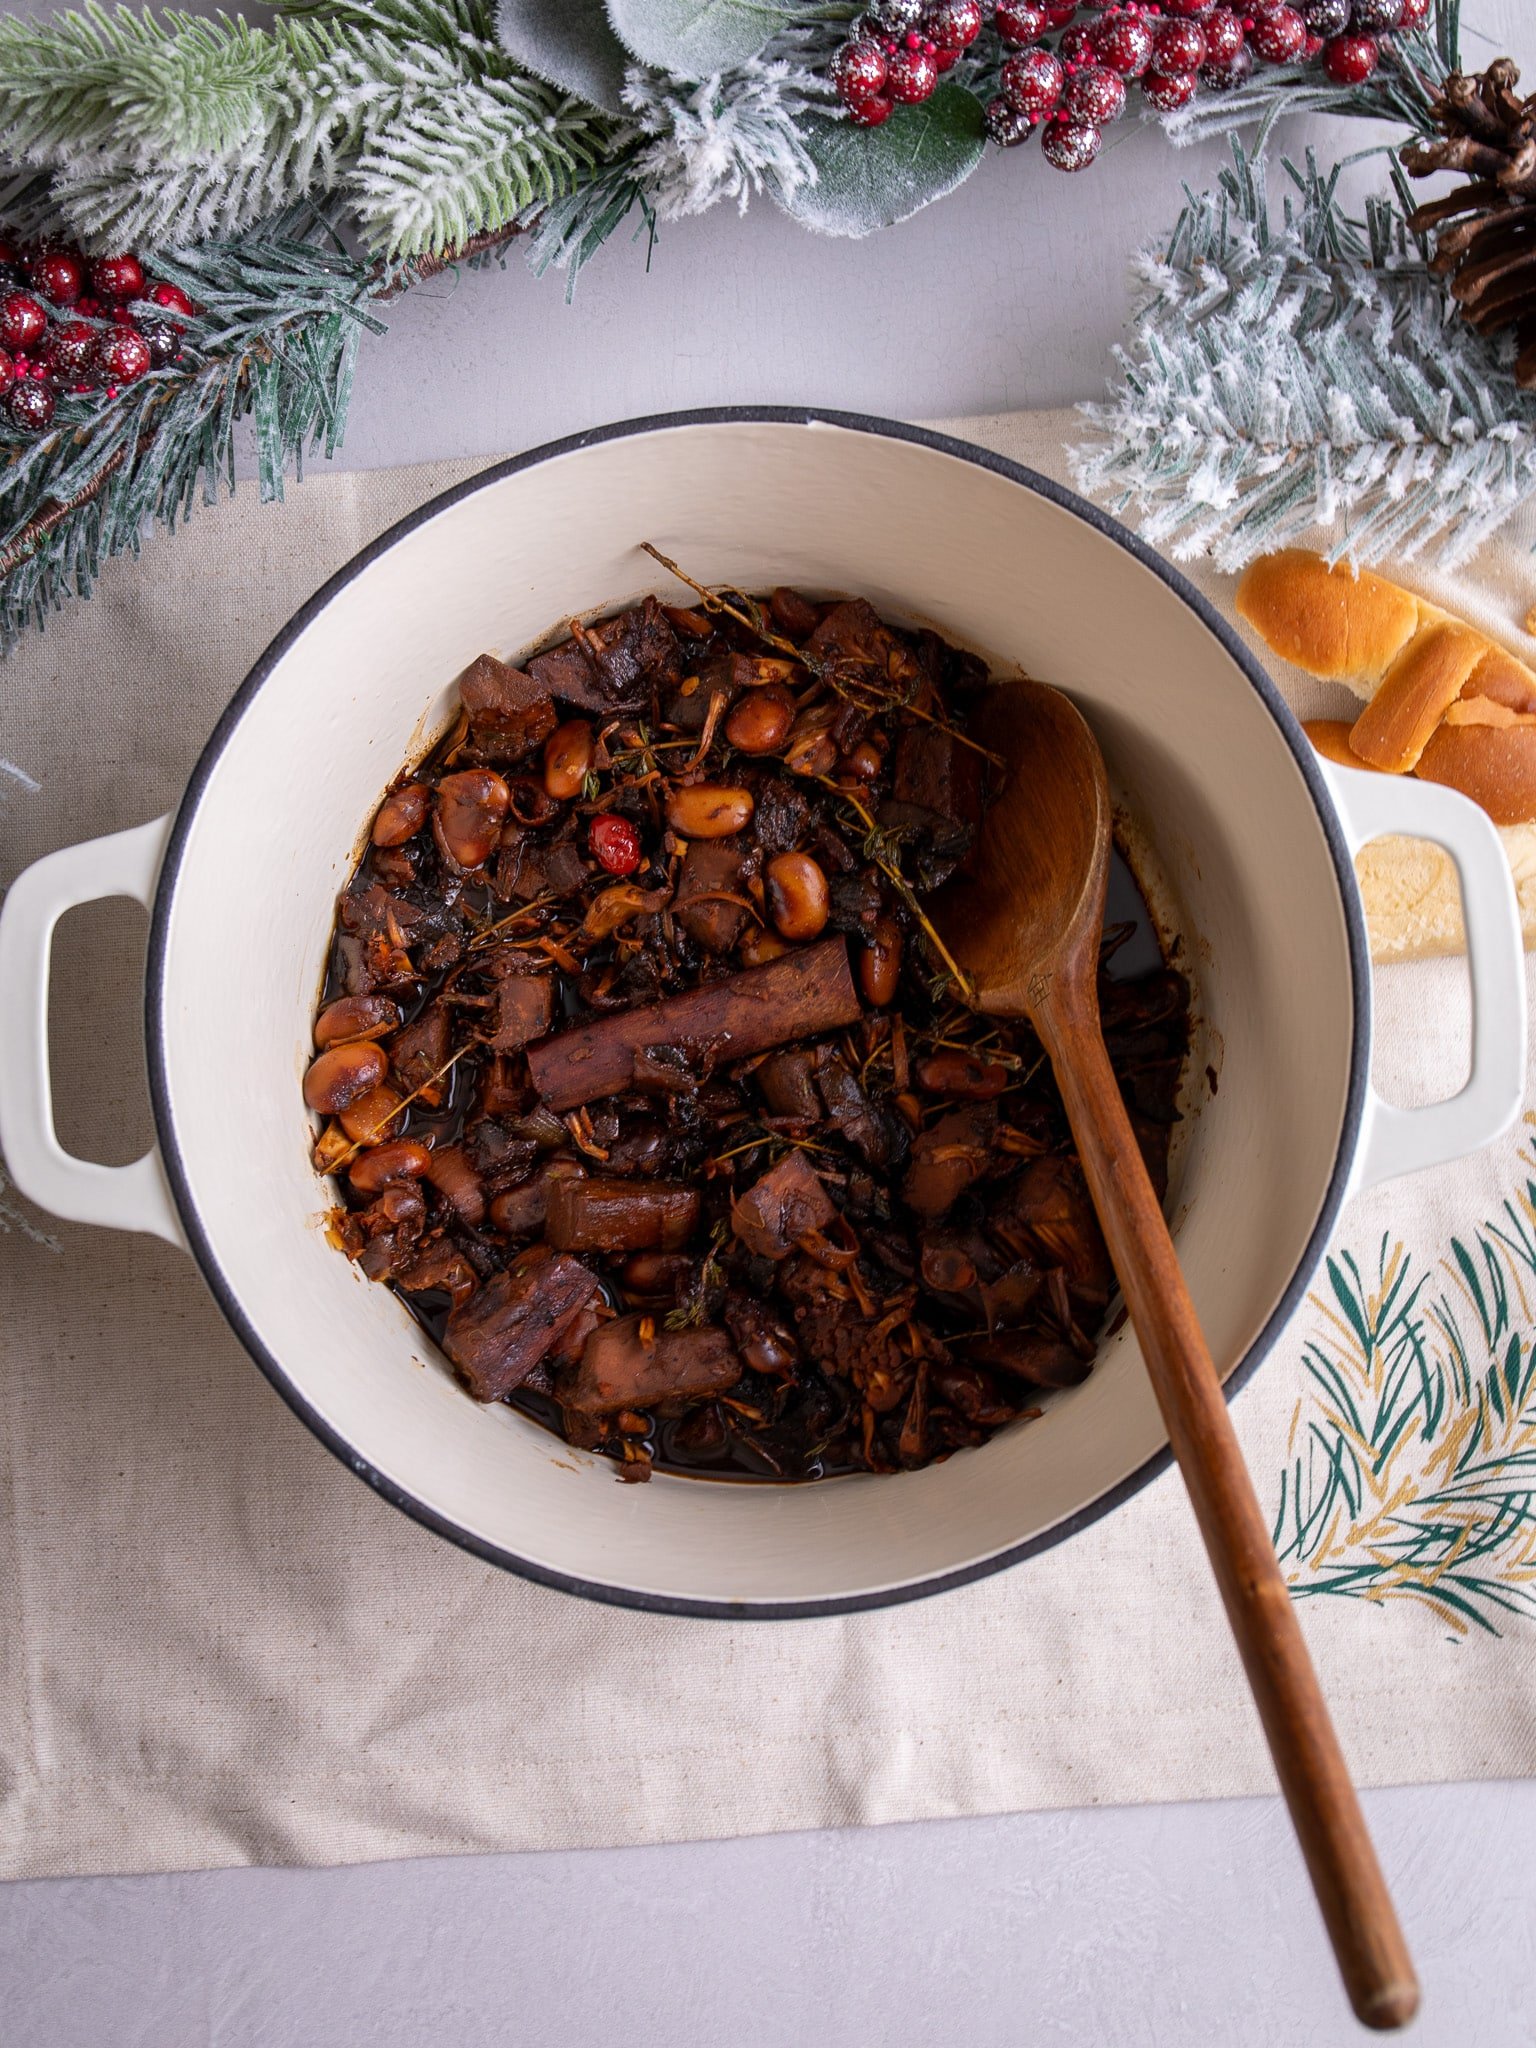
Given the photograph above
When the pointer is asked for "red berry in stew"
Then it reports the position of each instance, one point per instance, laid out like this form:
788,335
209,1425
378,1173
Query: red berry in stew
616,843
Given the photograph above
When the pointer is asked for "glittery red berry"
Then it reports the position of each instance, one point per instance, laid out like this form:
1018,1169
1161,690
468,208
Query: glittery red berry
30,404
1094,97
1178,46
1223,36
953,24
1280,37
122,355
1228,76
59,275
857,73
1189,10
615,842
1021,21
22,320
911,75
1168,91
1375,17
69,353
117,277
1059,12
1006,126
1415,12
7,370
173,298
1350,60
1032,82
1123,43
1070,145
1076,46
870,113
163,340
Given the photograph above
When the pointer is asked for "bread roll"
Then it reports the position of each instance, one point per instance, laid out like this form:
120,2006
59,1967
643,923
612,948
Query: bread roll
1443,702
1415,694
1495,766
1329,621
1330,736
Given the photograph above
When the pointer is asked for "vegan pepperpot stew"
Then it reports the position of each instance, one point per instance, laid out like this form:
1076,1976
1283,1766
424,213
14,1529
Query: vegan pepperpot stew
646,1081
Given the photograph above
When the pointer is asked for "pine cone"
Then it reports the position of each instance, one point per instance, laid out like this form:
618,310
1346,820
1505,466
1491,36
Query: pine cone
1488,250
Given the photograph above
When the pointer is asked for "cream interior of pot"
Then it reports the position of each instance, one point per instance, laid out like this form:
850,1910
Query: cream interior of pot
921,533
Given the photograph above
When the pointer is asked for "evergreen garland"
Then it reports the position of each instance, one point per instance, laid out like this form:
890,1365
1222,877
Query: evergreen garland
292,178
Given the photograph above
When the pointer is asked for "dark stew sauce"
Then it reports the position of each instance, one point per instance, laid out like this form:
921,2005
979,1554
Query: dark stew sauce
646,1082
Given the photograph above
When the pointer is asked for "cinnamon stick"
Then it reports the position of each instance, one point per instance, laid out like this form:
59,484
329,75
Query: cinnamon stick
803,994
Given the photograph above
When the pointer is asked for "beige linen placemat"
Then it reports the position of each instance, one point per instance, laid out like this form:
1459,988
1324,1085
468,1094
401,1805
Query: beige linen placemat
217,1647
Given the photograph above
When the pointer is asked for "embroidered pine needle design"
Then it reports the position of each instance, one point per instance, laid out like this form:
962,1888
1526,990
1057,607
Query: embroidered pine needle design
1412,1461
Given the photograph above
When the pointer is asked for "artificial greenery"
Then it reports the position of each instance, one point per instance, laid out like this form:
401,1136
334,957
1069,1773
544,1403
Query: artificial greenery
1295,368
407,116
274,342
1412,1473
1281,370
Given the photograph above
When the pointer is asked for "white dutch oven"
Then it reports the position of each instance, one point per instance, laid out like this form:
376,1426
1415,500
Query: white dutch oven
1250,837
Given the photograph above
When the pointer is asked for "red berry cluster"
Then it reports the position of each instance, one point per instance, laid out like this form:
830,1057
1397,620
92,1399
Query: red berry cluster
897,53
1070,63
66,325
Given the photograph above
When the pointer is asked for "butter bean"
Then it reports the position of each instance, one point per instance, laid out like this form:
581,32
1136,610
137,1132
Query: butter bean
471,807
758,947
354,1017
796,891
654,1272
880,962
402,815
709,810
371,1118
812,749
567,759
962,1075
863,764
341,1075
403,1159
760,721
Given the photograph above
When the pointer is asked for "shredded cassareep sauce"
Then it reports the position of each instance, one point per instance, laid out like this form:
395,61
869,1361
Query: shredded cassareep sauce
647,1082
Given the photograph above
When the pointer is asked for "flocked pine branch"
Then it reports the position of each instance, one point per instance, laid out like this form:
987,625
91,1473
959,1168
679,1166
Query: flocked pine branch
729,137
163,130
1302,373
281,311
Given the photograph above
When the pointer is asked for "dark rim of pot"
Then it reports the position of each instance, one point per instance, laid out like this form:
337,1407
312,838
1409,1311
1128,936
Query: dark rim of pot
857,423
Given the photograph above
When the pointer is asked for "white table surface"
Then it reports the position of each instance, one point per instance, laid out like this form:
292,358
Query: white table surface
1180,1926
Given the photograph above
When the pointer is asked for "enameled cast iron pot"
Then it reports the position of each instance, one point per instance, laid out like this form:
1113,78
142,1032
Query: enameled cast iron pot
1250,839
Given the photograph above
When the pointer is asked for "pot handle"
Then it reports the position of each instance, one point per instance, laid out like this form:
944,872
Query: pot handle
1395,1141
133,1197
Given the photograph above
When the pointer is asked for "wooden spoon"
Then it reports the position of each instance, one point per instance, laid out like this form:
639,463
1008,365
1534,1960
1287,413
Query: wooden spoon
1025,925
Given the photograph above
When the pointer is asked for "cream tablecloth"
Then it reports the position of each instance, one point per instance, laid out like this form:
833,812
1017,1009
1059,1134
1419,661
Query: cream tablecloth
217,1647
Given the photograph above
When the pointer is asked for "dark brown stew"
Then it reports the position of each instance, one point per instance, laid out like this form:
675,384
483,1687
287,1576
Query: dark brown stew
647,1083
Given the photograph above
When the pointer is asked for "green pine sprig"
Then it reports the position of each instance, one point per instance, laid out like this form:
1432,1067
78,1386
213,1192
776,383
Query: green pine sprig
409,120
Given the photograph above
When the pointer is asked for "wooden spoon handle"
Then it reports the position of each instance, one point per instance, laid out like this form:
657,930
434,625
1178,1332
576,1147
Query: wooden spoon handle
1356,1906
